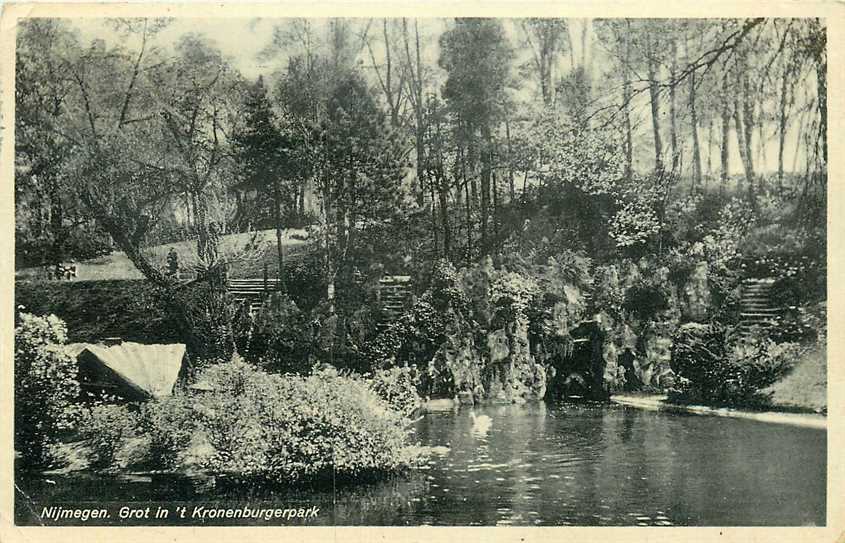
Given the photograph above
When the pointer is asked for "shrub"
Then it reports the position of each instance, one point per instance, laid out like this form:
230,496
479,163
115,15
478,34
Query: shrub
755,364
715,368
46,387
280,337
697,352
398,387
105,429
206,316
413,338
291,429
169,424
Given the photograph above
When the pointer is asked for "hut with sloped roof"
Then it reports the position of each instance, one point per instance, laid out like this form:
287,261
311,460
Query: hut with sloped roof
129,371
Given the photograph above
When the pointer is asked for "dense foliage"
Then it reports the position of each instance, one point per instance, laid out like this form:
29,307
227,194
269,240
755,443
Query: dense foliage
398,387
714,367
246,425
168,425
106,429
288,429
45,387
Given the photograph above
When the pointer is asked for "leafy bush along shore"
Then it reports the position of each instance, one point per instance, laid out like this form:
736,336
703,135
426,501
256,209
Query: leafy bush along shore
254,427
717,369
244,424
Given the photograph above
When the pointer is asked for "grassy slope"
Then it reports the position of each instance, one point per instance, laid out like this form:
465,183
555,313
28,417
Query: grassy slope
805,387
118,266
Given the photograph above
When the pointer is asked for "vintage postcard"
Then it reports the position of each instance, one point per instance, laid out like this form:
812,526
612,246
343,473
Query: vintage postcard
503,271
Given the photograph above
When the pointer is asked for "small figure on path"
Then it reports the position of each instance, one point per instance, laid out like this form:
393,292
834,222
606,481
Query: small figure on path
173,263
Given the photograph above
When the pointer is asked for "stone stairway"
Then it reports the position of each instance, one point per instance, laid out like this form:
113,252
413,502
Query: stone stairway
756,309
252,291
394,295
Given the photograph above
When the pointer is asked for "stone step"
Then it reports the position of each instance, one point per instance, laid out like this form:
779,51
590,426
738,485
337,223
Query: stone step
757,314
756,288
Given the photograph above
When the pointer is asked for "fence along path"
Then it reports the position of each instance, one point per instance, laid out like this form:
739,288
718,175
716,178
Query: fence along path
253,291
394,293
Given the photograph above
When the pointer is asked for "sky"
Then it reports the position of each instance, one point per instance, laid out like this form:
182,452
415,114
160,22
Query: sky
240,40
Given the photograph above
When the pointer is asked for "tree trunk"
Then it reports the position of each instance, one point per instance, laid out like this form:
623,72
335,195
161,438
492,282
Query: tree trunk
821,86
511,185
495,188
550,75
277,218
696,150
416,89
431,182
748,120
673,123
329,264
485,193
467,203
117,230
626,103
709,151
56,227
782,120
439,178
726,128
444,217
744,155
655,114
204,252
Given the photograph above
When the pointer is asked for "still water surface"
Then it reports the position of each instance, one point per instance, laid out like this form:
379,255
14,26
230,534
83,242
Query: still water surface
549,465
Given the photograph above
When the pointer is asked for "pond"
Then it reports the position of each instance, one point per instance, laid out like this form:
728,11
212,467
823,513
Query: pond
559,465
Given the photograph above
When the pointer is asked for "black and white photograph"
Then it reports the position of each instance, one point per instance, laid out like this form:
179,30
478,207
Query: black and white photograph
419,271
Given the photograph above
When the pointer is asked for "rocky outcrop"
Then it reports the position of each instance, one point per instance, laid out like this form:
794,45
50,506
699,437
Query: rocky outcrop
513,375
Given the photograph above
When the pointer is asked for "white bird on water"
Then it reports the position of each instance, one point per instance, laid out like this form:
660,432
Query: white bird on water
480,424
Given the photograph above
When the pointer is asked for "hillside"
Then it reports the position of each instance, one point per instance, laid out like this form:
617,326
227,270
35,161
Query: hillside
117,265
805,387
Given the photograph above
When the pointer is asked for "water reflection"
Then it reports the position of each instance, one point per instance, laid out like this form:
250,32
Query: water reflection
561,465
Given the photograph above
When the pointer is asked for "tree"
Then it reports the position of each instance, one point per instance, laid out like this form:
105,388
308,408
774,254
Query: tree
391,77
618,34
50,223
477,58
547,39
358,175
148,132
267,155
198,109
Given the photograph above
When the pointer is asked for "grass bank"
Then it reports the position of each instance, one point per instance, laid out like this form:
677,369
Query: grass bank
94,310
805,387
118,266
